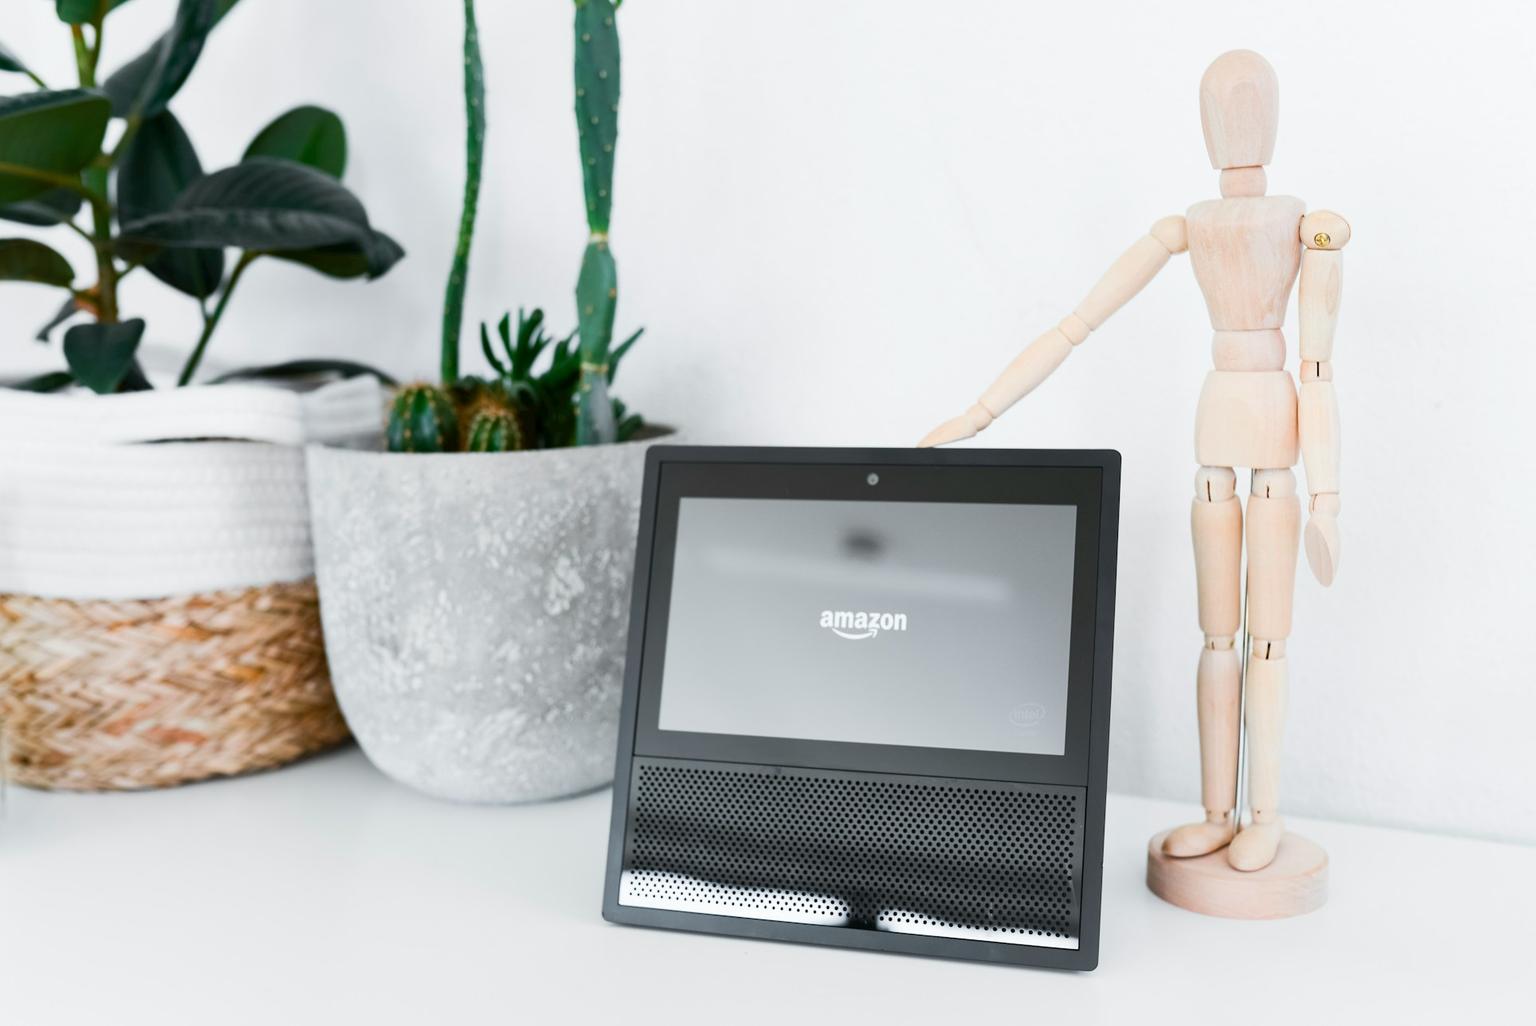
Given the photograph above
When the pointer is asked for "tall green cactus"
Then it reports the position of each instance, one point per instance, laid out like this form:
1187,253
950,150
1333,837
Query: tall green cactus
474,112
597,123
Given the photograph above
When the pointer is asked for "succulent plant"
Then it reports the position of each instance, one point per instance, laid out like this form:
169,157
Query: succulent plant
549,399
422,418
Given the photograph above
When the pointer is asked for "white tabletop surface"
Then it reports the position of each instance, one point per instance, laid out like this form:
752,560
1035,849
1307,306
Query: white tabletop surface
327,893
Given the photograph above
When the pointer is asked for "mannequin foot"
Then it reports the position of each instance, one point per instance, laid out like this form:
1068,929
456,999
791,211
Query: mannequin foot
1255,845
1194,839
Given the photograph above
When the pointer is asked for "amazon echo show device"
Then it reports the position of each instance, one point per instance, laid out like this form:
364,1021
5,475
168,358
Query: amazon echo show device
866,701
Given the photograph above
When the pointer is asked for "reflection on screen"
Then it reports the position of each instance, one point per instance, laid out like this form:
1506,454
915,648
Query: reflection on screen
900,623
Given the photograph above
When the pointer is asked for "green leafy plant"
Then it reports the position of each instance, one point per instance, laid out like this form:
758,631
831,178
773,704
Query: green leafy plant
568,401
149,208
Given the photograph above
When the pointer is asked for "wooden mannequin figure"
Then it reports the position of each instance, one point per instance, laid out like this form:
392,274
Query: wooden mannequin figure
1246,249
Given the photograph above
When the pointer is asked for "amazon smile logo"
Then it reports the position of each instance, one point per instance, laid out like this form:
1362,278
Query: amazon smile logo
859,626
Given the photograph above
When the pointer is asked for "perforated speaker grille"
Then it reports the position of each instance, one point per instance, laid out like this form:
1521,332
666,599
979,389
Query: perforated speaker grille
966,859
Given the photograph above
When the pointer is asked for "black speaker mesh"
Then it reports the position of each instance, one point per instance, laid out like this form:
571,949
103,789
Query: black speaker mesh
981,860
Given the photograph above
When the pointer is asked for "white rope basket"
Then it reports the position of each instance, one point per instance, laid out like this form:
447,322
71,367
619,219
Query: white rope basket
150,494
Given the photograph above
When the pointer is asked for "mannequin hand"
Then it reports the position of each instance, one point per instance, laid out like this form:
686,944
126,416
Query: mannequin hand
1322,544
953,430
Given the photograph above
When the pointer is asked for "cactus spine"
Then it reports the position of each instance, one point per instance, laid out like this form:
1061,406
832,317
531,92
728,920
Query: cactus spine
422,419
597,124
474,112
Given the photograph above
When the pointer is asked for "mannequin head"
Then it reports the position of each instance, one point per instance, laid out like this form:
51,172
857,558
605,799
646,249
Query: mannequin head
1239,110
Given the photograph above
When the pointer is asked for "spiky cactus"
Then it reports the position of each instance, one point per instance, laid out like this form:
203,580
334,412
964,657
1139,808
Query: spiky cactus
474,157
422,419
493,430
597,124
568,403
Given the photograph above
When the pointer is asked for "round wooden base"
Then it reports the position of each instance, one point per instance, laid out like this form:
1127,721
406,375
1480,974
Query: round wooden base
1292,885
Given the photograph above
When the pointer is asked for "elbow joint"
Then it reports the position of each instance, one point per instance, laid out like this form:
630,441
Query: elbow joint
1172,232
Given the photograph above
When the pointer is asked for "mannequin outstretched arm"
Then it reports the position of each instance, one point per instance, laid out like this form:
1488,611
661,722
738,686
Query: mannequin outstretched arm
1128,276
1324,234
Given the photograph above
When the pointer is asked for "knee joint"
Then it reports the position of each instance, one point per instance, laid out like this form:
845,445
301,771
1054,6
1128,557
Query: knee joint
1266,648
1215,484
1274,484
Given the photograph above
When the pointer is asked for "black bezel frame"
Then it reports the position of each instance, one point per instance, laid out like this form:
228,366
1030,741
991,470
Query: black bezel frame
1088,479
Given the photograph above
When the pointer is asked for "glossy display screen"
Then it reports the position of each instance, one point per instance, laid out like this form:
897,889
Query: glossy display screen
929,624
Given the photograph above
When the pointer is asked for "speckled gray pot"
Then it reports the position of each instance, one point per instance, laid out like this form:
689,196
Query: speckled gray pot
476,608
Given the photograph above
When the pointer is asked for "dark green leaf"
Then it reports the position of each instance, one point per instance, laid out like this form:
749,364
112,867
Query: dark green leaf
68,310
156,166
10,62
265,205
101,356
308,135
370,258
47,134
30,260
77,12
303,369
49,208
149,81
134,380
83,12
50,382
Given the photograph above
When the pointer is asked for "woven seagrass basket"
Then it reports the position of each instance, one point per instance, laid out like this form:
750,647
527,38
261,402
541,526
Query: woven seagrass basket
121,695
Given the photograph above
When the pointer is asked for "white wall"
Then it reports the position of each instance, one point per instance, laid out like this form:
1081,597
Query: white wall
839,220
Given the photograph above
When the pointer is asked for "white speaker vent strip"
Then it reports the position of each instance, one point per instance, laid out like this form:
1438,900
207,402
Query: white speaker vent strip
675,892
903,921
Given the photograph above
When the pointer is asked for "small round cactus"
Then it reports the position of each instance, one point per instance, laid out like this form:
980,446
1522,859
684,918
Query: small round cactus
493,430
422,419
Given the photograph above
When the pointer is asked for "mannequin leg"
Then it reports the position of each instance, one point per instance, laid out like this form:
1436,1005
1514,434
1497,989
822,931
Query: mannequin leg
1274,535
1216,521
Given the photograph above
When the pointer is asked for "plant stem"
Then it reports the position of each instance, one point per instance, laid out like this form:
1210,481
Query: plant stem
36,78
106,267
96,25
95,179
101,238
85,58
213,322
61,181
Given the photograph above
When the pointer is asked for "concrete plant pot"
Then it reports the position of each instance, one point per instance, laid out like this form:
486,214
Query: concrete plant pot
476,608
